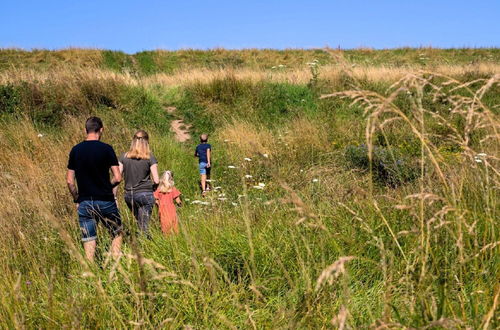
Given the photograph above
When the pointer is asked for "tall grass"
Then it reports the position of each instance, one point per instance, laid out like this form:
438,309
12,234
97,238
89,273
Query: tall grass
322,243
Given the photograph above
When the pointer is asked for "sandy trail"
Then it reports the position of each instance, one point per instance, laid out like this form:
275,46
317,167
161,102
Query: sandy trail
178,127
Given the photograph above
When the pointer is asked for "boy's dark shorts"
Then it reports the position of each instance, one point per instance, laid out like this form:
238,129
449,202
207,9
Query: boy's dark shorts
90,212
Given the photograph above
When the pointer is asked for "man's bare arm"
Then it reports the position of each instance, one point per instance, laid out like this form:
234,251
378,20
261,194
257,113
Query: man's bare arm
117,176
209,157
70,180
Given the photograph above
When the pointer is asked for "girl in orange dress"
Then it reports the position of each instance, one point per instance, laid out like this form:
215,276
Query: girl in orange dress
165,196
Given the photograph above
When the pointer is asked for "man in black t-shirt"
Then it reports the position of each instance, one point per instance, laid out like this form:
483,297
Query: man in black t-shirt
90,162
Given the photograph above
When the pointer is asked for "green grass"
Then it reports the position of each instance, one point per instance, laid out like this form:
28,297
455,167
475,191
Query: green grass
425,251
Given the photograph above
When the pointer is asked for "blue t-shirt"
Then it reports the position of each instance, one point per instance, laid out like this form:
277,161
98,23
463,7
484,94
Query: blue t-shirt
201,152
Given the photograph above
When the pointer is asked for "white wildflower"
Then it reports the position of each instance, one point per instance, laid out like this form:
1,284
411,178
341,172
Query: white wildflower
231,166
265,155
218,188
40,135
204,203
248,176
479,157
273,67
226,140
196,201
248,159
262,184
258,187
222,195
315,180
222,198
241,196
234,204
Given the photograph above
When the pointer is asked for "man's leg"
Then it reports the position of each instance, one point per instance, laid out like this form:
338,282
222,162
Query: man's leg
89,248
88,227
112,221
116,246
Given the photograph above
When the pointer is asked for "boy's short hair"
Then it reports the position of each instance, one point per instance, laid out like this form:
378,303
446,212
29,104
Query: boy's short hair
93,125
204,138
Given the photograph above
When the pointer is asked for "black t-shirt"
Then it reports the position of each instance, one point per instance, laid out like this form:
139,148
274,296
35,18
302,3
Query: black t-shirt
91,161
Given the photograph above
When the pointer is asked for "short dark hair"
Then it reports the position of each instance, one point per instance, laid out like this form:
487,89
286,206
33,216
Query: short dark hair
93,125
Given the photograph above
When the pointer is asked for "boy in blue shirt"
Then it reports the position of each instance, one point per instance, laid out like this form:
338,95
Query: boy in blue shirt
204,153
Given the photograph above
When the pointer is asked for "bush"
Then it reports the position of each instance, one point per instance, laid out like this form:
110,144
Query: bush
389,166
10,99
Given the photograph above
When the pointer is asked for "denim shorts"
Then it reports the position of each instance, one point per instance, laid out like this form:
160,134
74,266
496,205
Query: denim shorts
203,168
90,212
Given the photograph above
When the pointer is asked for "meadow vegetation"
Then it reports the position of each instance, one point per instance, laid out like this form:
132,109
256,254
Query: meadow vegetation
354,189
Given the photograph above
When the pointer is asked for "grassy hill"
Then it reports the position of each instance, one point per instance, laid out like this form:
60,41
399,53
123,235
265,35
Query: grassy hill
162,61
379,205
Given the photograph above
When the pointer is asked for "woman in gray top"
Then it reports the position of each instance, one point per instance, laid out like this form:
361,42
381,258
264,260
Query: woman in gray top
140,171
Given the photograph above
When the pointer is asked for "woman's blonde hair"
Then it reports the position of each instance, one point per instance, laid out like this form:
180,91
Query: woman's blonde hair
166,182
139,148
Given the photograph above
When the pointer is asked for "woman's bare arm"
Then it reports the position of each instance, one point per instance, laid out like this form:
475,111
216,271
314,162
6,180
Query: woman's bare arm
120,169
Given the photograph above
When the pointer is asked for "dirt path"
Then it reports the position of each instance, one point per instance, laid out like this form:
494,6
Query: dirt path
177,126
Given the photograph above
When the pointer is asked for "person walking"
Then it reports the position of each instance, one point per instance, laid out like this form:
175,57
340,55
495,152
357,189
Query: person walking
204,153
89,163
167,197
140,170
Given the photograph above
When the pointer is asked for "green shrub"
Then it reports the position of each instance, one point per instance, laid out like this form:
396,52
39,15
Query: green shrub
279,101
146,61
142,108
389,166
116,60
10,99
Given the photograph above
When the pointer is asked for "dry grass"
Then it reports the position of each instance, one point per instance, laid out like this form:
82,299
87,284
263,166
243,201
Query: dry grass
248,140
333,73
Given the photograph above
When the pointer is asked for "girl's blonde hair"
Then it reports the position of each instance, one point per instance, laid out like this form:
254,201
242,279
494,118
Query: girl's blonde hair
139,148
166,182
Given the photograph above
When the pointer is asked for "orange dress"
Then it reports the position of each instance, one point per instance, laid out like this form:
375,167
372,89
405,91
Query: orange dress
168,216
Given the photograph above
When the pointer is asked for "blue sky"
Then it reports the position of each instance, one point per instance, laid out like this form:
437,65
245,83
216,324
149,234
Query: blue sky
133,26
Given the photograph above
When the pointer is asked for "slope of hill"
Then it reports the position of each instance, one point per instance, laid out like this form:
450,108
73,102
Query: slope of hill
355,188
